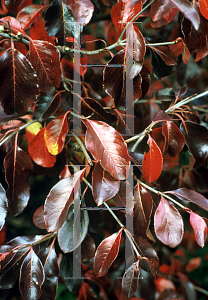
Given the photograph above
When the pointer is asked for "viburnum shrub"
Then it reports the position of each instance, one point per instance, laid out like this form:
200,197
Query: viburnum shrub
104,146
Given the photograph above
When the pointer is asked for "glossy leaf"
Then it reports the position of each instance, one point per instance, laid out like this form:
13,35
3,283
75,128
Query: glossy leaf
130,280
29,15
196,137
187,287
143,205
14,24
18,166
31,276
175,140
200,228
108,146
166,54
70,236
55,134
160,68
45,58
38,218
49,261
59,200
59,22
19,84
190,196
104,186
106,253
3,206
168,224
47,105
39,152
152,162
163,7
81,10
88,248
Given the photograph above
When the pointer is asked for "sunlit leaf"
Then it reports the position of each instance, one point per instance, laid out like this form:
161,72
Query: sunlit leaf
152,162
168,224
32,130
31,276
104,186
200,228
70,236
59,200
203,6
55,134
108,146
106,253
18,166
39,152
38,217
13,24
29,15
130,280
82,10
19,84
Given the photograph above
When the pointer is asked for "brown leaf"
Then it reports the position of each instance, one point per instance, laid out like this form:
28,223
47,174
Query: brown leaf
130,280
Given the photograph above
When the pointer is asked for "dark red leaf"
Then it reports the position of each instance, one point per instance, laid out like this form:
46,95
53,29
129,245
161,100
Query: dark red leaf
108,146
159,138
38,218
104,186
162,13
74,230
49,261
168,224
130,280
152,162
143,205
3,206
124,198
47,105
18,166
87,248
59,200
192,196
166,54
55,134
29,15
45,58
82,10
196,137
31,276
39,152
106,253
150,259
13,6
19,84
187,287
175,140
200,228
181,48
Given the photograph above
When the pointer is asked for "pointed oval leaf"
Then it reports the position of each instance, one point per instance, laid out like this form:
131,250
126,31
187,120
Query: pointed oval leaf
203,6
31,276
152,162
108,146
73,231
166,54
82,10
124,198
200,228
45,58
19,84
192,196
55,134
49,260
39,152
3,206
18,166
104,186
87,248
143,205
106,253
59,200
175,139
130,280
29,15
168,224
